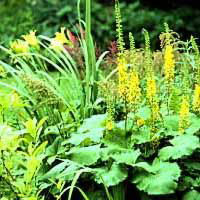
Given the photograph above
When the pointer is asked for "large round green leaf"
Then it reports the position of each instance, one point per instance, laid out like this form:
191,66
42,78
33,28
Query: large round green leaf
112,176
92,129
192,195
183,145
157,179
120,155
85,155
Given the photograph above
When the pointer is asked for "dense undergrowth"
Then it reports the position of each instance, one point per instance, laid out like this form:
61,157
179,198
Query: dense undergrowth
121,125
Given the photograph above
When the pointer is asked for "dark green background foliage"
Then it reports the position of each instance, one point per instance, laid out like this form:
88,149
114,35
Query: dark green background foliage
19,16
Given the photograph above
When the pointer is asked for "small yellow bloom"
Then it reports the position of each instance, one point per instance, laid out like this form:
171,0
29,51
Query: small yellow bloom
196,98
169,65
60,36
140,122
109,125
184,115
20,46
31,39
59,40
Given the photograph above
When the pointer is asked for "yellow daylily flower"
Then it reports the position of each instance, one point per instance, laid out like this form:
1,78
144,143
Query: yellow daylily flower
31,39
20,46
60,37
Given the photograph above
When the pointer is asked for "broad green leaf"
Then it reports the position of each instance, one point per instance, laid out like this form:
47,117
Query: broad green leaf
55,171
69,173
94,135
85,155
144,113
157,179
120,155
142,136
194,125
52,149
191,195
96,121
40,149
112,176
171,122
183,145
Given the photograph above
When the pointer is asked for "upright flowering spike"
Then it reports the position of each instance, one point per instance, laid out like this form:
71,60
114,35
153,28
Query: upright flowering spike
134,91
151,89
196,99
122,76
169,65
109,124
184,115
19,46
151,96
31,39
119,30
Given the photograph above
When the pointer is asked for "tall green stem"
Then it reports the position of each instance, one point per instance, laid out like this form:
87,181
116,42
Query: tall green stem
92,73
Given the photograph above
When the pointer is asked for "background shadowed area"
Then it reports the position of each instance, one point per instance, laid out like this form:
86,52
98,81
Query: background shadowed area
46,16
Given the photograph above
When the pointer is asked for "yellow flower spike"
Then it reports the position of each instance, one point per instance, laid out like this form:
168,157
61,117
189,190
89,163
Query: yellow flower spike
122,76
196,98
169,65
155,111
20,46
151,89
184,115
31,39
134,91
109,124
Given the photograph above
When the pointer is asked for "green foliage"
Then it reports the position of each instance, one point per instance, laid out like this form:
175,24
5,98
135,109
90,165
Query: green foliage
158,178
183,145
192,195
111,176
85,155
150,146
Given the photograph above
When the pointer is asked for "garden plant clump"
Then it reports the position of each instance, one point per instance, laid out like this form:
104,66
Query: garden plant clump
120,125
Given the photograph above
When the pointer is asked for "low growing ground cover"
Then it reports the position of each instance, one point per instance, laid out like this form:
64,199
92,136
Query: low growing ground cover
121,125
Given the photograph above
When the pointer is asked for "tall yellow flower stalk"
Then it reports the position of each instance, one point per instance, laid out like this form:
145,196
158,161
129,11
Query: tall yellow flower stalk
196,98
184,115
134,91
169,65
122,77
151,89
151,96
